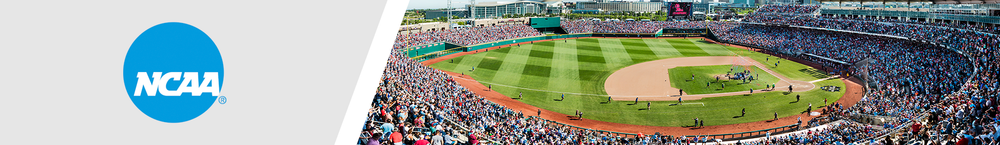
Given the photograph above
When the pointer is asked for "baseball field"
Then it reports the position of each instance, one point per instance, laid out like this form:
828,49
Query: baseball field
584,74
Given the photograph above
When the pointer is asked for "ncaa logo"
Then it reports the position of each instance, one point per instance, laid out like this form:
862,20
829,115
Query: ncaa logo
173,72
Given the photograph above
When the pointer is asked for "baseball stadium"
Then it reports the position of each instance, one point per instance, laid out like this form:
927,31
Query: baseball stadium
781,74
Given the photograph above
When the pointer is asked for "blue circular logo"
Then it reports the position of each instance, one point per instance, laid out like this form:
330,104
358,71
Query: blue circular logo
173,72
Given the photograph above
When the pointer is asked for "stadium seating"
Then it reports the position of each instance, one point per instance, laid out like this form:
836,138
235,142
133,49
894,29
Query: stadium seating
959,111
981,28
626,26
465,36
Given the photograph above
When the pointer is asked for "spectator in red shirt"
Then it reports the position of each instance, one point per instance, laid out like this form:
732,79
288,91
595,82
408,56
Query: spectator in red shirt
396,137
422,141
473,139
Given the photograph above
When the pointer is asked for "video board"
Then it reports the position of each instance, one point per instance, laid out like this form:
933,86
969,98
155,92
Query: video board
680,8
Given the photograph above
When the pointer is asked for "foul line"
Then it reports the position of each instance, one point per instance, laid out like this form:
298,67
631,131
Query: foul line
702,104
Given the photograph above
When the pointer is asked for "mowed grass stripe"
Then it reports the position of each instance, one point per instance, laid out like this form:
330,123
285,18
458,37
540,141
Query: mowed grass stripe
467,62
615,55
589,55
638,50
536,74
662,48
710,48
565,76
510,71
687,48
490,63
449,64
589,51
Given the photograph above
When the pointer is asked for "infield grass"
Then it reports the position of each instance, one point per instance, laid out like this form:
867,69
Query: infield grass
543,71
680,77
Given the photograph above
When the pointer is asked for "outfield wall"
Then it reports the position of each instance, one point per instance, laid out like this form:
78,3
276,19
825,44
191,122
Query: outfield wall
428,48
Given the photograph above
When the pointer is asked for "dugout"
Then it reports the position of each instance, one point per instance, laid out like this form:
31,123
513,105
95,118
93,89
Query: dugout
676,32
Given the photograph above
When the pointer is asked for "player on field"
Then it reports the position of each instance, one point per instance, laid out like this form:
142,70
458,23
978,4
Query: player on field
810,108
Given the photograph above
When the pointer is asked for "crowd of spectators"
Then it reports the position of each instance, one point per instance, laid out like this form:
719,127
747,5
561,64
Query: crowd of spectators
979,45
957,115
585,26
465,36
835,133
897,64
982,28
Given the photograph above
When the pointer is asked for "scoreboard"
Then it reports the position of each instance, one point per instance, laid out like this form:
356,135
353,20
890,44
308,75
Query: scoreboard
679,9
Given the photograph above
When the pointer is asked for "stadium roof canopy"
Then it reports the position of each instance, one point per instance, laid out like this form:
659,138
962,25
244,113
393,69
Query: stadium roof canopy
933,1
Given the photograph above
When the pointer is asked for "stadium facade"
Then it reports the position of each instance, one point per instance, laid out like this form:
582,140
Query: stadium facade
444,13
499,9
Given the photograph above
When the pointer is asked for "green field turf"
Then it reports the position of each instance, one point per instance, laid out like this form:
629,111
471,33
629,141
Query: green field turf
680,77
578,67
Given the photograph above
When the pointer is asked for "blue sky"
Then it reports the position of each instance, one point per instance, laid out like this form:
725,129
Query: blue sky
433,4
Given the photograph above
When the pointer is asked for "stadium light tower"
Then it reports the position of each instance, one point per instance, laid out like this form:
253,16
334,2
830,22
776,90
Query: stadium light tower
472,9
449,14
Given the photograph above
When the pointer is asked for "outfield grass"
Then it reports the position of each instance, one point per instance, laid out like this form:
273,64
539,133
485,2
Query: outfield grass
680,77
545,70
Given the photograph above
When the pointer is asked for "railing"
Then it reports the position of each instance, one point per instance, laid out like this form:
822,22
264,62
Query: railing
738,135
748,134
446,119
897,129
610,133
461,127
415,129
